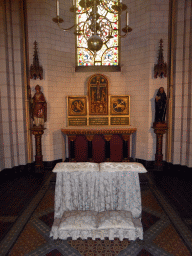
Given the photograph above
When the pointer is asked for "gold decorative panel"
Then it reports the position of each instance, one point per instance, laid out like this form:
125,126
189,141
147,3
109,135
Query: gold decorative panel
119,120
75,121
98,121
98,108
119,105
98,95
77,106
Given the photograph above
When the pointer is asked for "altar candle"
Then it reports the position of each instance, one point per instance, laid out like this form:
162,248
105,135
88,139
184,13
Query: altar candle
57,7
127,19
73,2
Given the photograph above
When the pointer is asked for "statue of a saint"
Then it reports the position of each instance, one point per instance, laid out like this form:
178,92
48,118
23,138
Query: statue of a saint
160,105
39,108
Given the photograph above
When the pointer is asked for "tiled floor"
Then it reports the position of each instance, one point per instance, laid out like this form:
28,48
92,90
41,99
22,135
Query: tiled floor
176,186
14,196
165,232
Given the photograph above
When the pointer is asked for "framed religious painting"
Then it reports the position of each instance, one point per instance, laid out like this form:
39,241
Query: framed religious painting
98,95
119,105
77,106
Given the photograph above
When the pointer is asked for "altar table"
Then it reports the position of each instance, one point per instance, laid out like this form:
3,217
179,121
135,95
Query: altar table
100,188
98,143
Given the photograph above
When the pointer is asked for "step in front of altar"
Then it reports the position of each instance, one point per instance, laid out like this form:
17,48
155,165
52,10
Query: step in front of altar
91,224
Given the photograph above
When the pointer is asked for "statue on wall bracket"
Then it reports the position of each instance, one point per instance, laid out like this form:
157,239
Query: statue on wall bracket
39,108
160,105
39,116
160,126
160,69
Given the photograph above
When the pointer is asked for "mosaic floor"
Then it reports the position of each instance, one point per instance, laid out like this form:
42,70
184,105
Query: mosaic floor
14,196
164,232
177,187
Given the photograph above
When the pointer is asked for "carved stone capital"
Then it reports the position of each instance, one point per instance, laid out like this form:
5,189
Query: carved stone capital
89,137
160,128
72,137
37,130
108,137
126,137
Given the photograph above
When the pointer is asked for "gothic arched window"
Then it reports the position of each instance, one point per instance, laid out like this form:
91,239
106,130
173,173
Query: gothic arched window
107,29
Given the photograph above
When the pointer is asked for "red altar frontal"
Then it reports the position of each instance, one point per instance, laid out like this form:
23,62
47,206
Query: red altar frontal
99,144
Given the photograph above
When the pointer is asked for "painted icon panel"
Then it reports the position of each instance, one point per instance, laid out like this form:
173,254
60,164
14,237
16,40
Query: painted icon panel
77,106
119,105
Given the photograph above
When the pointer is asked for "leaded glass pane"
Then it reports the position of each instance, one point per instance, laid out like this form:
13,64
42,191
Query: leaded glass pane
107,25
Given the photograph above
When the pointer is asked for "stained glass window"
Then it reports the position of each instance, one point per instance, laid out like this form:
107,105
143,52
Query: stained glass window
107,24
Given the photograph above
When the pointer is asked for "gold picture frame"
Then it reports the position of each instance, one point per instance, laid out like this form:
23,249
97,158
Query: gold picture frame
77,106
119,105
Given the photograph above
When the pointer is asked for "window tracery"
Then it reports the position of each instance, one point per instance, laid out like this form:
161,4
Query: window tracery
108,22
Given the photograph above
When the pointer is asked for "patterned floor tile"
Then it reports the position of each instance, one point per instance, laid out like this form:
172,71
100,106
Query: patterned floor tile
18,194
144,253
189,223
4,226
29,240
11,237
170,241
35,238
148,220
48,219
8,218
148,200
99,247
54,252
47,202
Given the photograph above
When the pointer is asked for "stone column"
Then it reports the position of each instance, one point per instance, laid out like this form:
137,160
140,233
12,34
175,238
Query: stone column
107,146
126,139
90,147
71,148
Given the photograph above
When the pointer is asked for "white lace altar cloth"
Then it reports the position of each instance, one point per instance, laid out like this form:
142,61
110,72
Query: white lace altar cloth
84,188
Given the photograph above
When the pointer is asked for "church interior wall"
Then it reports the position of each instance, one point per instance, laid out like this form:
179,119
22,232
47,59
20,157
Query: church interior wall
56,51
182,146
61,80
13,150
149,20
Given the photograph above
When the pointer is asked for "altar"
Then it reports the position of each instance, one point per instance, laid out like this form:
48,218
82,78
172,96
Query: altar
98,125
98,143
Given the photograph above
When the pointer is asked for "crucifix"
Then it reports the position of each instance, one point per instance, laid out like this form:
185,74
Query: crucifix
98,89
98,95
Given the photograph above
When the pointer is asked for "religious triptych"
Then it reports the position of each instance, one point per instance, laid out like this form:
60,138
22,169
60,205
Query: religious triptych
98,108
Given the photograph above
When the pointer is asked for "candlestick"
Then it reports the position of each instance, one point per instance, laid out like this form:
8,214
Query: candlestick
57,7
127,19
